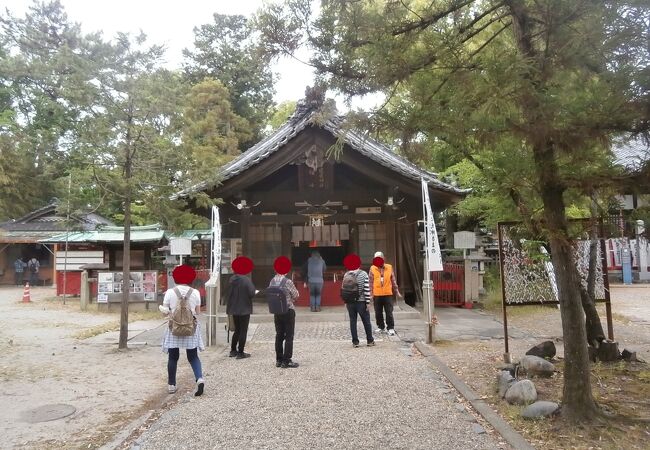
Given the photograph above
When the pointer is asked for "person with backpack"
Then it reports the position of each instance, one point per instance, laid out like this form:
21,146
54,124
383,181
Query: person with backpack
239,304
280,296
383,286
19,271
184,332
355,292
315,278
33,267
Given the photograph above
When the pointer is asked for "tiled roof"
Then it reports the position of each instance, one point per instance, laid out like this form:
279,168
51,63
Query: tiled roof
24,237
147,233
301,119
631,152
46,219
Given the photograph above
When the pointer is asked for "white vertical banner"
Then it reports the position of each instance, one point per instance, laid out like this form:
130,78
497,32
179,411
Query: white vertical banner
213,285
215,260
431,244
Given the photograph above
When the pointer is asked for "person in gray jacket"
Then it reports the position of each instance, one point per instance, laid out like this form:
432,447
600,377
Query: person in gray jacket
315,272
240,304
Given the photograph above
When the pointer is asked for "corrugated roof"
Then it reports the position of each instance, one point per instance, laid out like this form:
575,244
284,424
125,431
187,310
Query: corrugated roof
147,233
631,152
306,116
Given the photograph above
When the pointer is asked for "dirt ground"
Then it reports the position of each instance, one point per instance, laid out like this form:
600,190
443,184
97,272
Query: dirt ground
622,388
44,365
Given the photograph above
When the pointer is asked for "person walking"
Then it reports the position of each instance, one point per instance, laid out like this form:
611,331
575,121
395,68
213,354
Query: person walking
358,307
33,266
19,271
383,287
240,304
315,278
285,324
183,276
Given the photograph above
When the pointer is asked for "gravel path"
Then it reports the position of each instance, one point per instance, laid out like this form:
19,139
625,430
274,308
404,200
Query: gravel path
339,397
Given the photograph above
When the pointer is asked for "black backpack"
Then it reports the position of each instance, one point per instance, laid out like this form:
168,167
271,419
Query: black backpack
350,287
277,298
32,267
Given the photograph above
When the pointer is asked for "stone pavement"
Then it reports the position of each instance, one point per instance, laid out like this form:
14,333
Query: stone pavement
454,324
340,397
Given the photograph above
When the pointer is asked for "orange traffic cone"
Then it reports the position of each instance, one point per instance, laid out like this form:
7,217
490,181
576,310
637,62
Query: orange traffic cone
26,296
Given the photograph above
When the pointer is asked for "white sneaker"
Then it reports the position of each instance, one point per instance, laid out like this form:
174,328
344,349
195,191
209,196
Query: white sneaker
171,388
379,330
391,332
200,384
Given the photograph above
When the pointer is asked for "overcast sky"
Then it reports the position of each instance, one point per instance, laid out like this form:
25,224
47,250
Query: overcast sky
171,22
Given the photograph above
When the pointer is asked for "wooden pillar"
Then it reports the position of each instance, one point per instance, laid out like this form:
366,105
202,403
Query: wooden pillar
85,291
285,246
244,222
111,259
147,256
354,237
55,247
390,253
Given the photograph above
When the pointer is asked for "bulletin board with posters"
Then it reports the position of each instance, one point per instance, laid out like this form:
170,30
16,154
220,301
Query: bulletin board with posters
142,286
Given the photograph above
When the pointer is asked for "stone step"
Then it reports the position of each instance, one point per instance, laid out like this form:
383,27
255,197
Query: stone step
328,314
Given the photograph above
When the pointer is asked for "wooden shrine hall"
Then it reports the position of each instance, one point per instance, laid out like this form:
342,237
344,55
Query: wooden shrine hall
292,193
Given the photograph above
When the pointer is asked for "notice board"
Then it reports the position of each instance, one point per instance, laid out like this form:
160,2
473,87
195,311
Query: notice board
143,286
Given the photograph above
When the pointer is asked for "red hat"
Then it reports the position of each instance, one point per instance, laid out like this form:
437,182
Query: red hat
183,274
352,262
242,265
378,261
282,265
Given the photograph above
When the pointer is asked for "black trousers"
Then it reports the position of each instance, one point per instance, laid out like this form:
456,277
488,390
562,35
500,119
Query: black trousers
239,335
384,303
285,324
360,309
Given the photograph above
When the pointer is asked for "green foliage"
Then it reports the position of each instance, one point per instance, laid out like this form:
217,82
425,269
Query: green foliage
43,59
281,114
211,131
227,50
458,83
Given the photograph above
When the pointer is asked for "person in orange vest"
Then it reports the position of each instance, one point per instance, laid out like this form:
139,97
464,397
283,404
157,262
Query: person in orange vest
383,288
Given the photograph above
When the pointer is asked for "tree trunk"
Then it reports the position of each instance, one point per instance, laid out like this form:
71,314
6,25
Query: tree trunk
593,326
595,333
577,400
126,249
126,272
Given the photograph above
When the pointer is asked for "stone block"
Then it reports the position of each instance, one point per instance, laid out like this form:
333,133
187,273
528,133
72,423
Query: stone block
536,366
521,393
545,350
540,409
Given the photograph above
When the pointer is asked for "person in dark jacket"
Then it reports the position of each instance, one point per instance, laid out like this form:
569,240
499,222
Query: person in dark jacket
315,274
240,304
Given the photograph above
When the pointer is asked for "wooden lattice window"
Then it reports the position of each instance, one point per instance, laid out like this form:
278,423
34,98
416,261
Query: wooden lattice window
266,243
372,238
